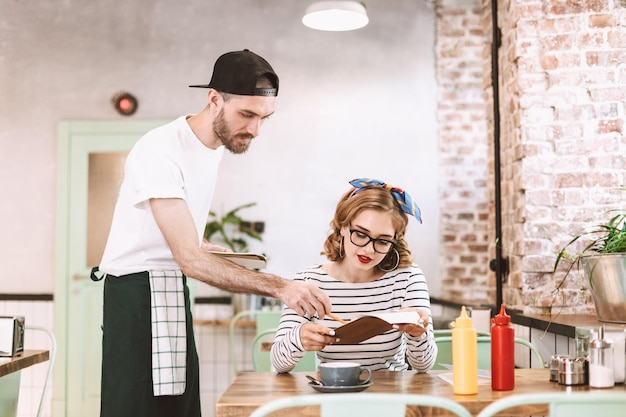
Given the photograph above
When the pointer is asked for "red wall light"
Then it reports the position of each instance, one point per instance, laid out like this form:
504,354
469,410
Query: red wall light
125,103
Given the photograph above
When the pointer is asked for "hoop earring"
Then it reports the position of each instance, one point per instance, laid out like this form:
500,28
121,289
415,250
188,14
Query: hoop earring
341,252
395,266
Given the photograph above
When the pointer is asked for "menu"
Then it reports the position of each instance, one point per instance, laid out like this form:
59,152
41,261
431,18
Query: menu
247,260
368,326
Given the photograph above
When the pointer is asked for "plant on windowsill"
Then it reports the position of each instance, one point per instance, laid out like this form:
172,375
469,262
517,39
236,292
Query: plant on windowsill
603,258
229,230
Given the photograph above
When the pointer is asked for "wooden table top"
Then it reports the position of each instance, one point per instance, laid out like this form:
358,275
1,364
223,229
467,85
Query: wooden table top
24,360
249,390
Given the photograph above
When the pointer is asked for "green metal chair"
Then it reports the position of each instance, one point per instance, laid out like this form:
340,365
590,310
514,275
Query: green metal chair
362,404
444,354
266,326
564,404
265,320
448,332
262,362
51,362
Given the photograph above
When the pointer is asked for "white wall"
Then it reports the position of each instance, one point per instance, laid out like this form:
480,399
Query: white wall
351,104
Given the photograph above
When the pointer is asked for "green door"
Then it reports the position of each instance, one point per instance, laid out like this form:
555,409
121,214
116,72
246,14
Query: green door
90,161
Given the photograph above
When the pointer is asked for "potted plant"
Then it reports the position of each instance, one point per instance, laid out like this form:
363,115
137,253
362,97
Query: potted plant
603,257
230,229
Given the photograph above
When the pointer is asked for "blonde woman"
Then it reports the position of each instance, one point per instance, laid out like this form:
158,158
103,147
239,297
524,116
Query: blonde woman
369,270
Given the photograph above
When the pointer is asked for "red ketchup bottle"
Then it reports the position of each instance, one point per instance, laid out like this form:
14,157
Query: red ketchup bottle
502,352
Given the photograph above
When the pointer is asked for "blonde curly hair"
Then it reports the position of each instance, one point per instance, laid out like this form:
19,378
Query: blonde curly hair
372,198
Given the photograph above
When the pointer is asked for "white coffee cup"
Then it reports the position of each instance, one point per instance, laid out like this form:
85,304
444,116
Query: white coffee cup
343,374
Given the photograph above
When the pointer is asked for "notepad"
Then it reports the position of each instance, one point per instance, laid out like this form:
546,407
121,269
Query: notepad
483,373
449,378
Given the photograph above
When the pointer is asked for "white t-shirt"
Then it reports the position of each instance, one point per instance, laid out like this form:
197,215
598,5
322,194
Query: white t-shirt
167,162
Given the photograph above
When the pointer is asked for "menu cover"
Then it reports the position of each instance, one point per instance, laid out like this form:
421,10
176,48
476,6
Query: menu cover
371,325
247,260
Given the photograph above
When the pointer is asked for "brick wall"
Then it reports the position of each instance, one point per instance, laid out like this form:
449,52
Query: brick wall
563,128
463,151
563,152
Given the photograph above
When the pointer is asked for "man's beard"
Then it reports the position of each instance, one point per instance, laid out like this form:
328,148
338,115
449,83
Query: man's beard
222,130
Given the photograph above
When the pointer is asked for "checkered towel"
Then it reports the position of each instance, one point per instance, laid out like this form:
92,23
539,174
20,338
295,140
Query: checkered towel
169,336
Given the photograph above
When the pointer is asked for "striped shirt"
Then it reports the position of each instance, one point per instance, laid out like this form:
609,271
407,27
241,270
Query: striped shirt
393,350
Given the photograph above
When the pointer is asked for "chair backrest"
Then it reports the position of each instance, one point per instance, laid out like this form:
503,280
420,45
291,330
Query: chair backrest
564,404
266,326
533,349
51,361
448,332
265,320
362,404
444,353
262,362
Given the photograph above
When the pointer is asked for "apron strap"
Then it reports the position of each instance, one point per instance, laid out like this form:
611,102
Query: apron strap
95,276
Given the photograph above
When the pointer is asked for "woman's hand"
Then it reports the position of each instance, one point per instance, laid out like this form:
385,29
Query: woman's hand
414,330
315,337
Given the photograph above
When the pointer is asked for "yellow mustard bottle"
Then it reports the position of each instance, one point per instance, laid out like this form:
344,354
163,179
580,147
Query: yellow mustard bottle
464,355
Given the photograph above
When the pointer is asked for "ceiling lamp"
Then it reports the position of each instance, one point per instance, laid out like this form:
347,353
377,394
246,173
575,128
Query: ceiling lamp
336,15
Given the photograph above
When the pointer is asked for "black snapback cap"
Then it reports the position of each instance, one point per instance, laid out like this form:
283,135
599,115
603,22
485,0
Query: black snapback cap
238,72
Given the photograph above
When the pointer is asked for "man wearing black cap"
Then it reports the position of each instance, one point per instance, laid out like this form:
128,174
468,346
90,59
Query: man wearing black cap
150,365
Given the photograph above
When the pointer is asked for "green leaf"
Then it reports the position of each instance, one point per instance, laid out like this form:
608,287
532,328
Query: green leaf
217,226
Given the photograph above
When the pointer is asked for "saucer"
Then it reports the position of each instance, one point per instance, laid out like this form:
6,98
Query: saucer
331,389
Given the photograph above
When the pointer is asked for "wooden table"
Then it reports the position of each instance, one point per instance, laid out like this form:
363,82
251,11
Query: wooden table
249,390
10,368
27,358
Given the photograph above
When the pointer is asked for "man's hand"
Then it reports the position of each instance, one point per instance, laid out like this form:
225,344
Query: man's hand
305,299
212,247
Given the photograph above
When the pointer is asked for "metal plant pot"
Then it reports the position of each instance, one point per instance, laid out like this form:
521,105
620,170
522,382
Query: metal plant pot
607,279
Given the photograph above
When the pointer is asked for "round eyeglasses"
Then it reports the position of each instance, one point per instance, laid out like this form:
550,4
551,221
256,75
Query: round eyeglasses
361,239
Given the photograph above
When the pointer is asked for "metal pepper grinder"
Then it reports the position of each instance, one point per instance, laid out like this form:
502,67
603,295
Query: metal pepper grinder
601,373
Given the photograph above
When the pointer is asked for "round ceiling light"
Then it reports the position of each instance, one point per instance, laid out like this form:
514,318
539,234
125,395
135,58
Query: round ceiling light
336,15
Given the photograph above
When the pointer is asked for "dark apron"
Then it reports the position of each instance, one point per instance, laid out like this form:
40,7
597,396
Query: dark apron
127,354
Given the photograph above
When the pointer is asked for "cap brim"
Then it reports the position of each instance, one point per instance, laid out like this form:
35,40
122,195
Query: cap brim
200,86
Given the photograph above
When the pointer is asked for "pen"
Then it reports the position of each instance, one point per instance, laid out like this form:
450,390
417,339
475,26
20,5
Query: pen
332,316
